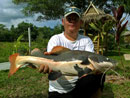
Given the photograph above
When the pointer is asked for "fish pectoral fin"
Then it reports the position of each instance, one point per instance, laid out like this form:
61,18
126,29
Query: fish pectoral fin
54,75
82,71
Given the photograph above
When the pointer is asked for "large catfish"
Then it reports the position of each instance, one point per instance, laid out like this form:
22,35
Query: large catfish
64,61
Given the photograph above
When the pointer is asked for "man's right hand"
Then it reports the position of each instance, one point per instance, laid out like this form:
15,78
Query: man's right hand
44,69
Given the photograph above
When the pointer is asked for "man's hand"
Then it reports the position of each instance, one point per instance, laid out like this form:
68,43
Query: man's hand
44,69
47,53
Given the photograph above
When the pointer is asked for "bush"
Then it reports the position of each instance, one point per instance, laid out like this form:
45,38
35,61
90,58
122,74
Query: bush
111,42
7,48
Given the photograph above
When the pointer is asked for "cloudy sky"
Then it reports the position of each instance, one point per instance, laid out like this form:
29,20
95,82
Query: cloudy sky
10,14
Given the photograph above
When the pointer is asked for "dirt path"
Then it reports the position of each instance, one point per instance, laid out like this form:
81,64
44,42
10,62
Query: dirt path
4,66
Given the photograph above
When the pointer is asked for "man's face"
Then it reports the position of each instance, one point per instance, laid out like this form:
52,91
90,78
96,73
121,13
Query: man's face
71,23
73,18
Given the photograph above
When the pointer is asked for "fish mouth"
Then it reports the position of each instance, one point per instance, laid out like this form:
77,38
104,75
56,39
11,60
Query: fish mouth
93,64
101,66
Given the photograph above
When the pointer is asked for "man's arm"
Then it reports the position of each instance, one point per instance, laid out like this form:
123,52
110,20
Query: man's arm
89,46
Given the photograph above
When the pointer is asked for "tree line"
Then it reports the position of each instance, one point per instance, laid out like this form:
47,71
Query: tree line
13,33
54,9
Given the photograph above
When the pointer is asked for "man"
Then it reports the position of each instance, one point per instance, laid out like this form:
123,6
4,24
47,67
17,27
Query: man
66,86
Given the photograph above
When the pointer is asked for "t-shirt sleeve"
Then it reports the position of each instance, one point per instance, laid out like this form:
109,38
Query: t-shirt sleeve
89,46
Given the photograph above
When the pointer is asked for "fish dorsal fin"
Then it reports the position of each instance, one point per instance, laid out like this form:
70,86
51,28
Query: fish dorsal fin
57,50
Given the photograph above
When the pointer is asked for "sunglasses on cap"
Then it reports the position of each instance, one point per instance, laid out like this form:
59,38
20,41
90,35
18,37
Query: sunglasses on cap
71,10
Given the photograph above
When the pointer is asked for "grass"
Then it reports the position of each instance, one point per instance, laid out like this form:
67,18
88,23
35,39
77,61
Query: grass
7,48
119,87
29,83
112,90
123,66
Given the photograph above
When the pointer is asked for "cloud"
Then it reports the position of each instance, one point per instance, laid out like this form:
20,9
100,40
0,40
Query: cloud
9,11
10,14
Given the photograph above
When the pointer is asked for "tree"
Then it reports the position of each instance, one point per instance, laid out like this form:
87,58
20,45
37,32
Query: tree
118,13
4,33
57,29
49,8
102,29
53,9
22,29
47,32
125,3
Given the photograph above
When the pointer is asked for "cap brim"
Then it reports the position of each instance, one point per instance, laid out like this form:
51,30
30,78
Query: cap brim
72,13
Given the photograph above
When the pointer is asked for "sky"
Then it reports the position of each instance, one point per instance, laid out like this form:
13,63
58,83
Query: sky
10,14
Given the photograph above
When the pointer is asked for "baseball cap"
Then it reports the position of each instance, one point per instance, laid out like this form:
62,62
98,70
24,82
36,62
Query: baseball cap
71,10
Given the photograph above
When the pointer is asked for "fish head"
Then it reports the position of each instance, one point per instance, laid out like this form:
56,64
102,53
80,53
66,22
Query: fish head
101,63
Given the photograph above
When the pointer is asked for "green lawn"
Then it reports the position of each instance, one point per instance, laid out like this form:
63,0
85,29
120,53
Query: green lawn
8,48
29,83
118,86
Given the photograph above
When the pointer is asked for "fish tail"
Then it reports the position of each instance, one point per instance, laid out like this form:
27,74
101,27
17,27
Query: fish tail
12,60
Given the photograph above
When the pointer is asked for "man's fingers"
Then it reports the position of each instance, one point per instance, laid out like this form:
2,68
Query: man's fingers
50,70
41,69
46,69
47,53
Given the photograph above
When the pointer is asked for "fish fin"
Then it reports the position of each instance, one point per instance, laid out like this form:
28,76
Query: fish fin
58,50
13,67
82,71
86,72
54,75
